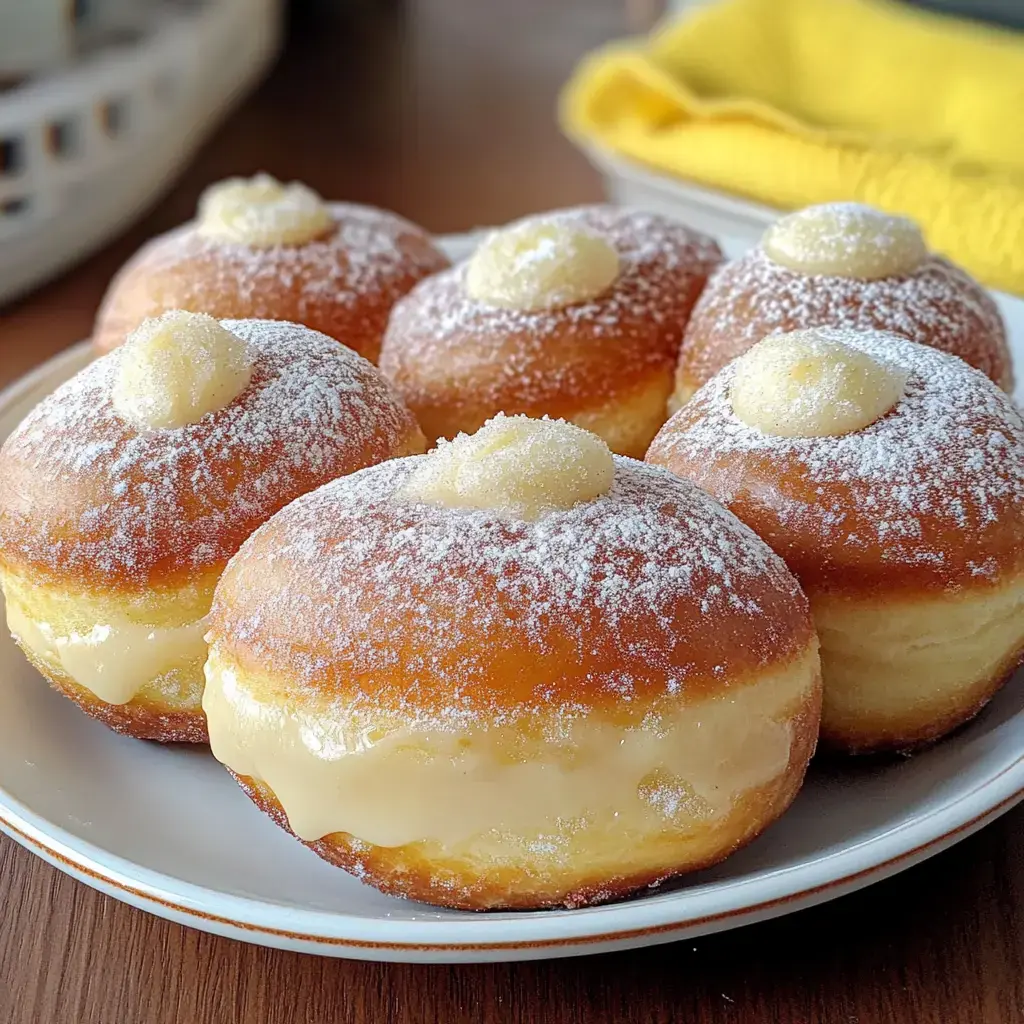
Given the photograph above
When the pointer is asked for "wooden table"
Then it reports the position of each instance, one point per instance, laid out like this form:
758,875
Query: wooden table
444,113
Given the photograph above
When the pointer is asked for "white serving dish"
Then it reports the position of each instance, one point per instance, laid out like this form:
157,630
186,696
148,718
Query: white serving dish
718,213
167,830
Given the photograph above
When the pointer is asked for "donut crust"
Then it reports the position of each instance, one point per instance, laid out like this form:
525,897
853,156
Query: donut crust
75,510
498,638
878,736
458,362
253,602
101,522
908,538
342,285
749,298
140,719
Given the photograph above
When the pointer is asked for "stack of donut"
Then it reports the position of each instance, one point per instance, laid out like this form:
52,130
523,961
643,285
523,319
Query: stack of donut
435,617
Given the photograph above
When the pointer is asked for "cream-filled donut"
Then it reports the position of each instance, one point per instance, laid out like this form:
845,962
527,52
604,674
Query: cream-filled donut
574,313
124,493
841,265
890,476
262,249
515,672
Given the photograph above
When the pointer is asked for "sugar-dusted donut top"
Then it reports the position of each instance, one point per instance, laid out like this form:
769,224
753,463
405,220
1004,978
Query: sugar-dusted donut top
749,298
439,329
87,497
404,608
366,251
935,488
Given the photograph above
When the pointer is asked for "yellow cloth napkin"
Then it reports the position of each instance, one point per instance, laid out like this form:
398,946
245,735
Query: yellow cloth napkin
793,102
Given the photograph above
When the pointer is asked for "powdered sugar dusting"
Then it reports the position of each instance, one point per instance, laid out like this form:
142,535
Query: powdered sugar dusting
107,499
650,585
853,235
368,253
866,223
951,452
753,297
663,265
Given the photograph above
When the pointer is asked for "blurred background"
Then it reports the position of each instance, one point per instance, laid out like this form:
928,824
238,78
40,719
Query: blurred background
442,110
115,114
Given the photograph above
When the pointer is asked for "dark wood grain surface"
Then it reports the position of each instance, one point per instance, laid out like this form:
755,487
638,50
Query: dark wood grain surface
442,110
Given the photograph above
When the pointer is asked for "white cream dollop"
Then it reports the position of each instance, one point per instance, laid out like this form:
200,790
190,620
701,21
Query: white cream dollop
541,264
515,465
261,212
846,240
810,384
176,368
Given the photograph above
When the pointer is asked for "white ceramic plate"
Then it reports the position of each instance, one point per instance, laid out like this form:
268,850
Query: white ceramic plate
167,830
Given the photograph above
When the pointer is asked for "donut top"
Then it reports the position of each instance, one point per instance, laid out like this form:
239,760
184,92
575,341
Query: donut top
365,254
540,264
458,615
515,465
662,266
754,296
937,485
806,384
846,240
85,493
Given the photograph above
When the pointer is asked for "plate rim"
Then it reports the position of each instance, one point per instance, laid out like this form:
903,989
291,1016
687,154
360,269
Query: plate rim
554,933
90,864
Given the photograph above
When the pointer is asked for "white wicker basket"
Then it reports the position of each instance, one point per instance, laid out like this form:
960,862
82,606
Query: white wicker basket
84,151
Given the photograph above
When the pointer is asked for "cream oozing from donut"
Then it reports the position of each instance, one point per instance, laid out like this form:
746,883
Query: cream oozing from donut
495,680
846,240
114,659
809,384
261,212
443,786
516,465
541,264
177,368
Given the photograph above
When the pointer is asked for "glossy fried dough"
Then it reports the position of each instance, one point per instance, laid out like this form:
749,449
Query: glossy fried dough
343,285
112,536
606,363
907,535
533,712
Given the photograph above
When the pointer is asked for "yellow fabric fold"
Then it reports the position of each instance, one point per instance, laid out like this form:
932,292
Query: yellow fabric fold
793,102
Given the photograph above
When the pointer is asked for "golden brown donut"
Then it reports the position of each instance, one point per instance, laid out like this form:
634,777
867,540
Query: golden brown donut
480,708
907,535
605,363
112,536
747,299
342,284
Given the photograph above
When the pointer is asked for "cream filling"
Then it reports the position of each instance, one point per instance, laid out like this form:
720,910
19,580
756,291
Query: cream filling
516,465
177,368
812,383
679,772
541,263
113,660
